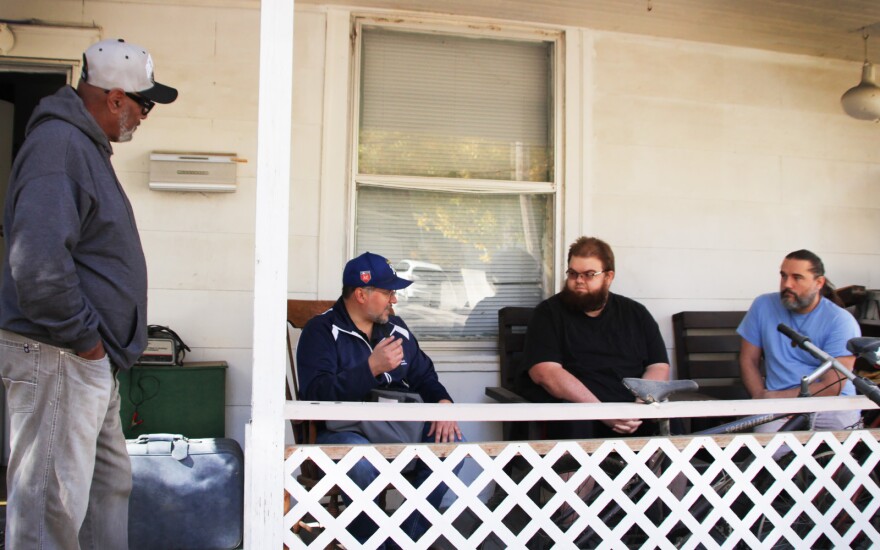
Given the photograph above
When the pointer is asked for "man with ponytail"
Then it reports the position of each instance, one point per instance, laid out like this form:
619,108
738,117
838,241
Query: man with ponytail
806,302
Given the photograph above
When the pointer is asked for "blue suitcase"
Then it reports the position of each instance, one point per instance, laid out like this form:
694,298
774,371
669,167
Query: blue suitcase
186,494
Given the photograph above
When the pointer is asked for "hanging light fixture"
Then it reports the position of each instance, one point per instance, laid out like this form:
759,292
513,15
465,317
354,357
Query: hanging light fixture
863,101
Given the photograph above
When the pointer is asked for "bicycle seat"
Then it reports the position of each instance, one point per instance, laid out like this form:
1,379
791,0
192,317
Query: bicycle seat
865,347
653,391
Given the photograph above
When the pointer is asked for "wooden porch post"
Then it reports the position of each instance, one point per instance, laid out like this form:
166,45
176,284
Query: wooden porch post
265,435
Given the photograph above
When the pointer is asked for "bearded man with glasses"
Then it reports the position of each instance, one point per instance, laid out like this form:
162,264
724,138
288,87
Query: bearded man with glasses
582,342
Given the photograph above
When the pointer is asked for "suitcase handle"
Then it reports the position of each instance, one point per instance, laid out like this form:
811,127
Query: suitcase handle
147,438
179,444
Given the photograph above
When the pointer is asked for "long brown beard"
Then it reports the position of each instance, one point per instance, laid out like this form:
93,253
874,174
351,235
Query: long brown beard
584,303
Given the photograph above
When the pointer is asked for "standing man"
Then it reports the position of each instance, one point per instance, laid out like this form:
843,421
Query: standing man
804,304
360,345
73,306
582,343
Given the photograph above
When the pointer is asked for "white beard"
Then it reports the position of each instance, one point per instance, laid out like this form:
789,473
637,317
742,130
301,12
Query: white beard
125,133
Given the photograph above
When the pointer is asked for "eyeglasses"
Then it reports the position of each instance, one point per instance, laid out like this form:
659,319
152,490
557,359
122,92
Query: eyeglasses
587,275
387,293
145,104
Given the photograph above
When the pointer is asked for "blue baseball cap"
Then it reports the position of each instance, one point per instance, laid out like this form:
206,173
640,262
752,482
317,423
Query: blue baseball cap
370,269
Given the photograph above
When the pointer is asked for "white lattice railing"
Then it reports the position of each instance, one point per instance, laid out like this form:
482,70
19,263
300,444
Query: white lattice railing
709,492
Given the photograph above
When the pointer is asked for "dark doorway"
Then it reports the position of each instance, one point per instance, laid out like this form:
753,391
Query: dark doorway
25,90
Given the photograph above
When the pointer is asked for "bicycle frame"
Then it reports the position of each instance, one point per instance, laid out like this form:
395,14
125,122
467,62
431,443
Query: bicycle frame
868,388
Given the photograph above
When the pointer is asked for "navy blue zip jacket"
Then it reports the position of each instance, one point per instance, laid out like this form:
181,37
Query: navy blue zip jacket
74,269
332,360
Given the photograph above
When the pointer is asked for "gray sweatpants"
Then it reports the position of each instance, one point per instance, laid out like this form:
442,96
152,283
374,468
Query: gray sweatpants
69,474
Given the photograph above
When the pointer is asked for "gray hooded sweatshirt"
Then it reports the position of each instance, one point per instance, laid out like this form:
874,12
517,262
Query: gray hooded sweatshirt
74,270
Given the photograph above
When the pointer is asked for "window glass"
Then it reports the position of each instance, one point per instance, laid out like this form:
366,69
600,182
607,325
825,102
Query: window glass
454,174
454,107
467,255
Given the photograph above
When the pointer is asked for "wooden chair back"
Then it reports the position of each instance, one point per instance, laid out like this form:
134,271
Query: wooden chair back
298,314
707,351
512,325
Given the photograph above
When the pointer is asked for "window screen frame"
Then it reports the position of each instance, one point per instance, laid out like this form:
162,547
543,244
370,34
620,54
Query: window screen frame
553,188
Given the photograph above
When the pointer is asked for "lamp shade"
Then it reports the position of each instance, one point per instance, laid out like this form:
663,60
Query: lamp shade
863,101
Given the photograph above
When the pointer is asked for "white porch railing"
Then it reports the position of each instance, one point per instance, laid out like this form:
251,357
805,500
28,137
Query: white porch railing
723,491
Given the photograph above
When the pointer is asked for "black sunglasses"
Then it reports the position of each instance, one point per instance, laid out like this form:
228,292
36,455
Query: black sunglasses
145,103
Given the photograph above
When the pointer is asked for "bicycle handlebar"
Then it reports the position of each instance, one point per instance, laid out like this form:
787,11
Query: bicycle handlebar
868,388
796,337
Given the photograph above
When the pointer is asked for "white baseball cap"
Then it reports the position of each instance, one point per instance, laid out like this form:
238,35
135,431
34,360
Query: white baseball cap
115,63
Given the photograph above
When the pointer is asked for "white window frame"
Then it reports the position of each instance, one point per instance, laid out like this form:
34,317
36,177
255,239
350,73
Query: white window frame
480,29
49,48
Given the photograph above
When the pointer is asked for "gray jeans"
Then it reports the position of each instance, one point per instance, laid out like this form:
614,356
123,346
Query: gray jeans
69,474
824,421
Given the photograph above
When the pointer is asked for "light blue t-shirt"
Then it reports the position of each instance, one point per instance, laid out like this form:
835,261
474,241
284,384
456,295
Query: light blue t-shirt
828,326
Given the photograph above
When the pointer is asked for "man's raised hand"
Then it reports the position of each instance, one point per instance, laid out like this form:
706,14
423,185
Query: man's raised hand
386,356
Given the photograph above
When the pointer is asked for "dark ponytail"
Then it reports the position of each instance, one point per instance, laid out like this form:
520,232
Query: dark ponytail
817,268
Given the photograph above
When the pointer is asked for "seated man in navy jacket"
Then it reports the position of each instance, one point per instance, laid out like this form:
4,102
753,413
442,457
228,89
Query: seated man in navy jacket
359,345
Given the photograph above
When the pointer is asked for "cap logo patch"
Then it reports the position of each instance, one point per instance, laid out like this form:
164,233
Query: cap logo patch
149,68
366,277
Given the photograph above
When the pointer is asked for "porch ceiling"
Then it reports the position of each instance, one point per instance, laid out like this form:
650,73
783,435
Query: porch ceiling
822,28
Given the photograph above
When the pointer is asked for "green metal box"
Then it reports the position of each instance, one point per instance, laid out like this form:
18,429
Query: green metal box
188,400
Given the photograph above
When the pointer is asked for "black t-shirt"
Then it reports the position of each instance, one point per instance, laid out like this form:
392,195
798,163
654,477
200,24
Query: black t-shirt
599,351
